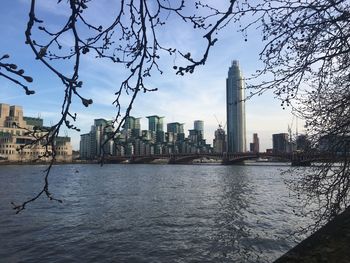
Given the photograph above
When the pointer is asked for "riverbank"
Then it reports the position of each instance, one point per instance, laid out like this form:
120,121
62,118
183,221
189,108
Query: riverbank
155,162
328,244
45,163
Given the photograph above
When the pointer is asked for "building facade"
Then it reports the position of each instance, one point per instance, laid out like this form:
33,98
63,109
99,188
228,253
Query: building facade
280,143
131,140
155,123
17,142
219,142
98,141
199,126
235,109
254,146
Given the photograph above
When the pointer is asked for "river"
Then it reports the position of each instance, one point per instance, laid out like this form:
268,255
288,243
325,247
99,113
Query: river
147,213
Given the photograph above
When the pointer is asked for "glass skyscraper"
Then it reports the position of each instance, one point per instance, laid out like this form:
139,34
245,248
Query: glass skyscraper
235,109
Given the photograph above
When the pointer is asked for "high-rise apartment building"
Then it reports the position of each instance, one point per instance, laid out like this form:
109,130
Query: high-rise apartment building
92,142
132,123
155,123
280,143
132,127
235,109
198,125
254,146
175,127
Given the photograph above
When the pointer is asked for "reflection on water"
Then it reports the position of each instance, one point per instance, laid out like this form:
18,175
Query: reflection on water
147,213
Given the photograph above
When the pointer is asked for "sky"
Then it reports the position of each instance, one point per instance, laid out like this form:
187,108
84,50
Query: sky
197,96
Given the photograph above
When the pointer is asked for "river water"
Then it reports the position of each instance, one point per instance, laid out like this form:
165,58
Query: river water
147,213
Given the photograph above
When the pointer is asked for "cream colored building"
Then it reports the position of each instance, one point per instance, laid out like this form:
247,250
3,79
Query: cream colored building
14,134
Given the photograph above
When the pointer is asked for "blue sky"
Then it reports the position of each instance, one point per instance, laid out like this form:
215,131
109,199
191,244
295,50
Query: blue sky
197,96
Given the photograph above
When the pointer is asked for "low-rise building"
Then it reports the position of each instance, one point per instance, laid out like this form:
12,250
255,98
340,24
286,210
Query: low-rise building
17,142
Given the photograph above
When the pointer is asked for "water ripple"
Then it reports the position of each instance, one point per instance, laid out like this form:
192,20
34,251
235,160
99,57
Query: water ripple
147,213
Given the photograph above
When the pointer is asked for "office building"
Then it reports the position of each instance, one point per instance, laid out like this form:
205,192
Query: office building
235,109
17,142
198,125
303,143
280,143
254,146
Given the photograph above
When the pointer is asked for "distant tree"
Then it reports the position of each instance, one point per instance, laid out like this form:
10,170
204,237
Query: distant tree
306,65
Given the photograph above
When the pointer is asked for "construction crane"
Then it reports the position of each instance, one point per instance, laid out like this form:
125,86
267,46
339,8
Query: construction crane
220,123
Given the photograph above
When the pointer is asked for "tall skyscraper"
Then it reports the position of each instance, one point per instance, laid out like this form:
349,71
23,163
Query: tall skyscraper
280,143
254,146
235,109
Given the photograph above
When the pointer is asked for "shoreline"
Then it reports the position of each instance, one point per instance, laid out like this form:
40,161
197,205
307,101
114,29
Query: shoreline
150,163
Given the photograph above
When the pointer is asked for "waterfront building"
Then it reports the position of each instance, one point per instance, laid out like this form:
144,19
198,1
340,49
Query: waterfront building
152,141
303,143
99,136
132,126
254,146
175,135
194,136
199,126
132,123
147,135
160,137
175,127
155,123
334,143
85,146
15,133
280,143
235,109
219,142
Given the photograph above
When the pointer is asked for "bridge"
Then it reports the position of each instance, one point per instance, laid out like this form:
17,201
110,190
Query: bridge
296,159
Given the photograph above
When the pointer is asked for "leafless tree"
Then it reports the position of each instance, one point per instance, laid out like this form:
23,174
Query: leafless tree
130,40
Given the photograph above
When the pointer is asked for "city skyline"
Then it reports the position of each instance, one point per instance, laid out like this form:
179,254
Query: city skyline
200,95
131,140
